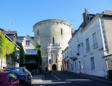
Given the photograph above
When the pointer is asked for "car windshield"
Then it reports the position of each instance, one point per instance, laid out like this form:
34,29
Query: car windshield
18,70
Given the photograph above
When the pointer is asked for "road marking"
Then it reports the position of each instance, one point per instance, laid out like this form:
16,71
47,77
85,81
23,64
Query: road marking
56,77
42,85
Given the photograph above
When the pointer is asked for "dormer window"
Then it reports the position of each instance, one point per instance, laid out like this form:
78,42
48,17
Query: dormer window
27,42
89,19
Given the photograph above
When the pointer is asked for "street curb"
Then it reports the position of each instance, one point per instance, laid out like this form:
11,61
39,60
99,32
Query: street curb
89,77
96,78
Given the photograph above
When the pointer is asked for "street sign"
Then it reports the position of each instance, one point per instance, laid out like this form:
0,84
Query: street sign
50,61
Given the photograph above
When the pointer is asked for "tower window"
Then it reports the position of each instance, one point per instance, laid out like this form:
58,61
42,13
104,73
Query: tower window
53,41
38,32
61,31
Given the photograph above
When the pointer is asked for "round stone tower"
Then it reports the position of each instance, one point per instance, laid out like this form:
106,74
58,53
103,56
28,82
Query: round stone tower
53,35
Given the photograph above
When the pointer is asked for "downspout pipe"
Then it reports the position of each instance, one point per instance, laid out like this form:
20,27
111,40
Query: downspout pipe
105,49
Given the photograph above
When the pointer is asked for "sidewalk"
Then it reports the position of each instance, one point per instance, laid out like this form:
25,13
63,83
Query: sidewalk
92,77
87,76
96,78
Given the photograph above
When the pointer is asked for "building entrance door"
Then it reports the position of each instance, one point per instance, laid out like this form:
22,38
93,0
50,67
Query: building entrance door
54,67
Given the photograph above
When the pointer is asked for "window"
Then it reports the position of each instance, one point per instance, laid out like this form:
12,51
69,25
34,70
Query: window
87,45
71,67
31,51
56,60
95,43
38,32
78,49
27,42
92,63
61,31
89,19
53,41
75,69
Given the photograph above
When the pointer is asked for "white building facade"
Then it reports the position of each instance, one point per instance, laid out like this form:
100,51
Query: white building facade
91,45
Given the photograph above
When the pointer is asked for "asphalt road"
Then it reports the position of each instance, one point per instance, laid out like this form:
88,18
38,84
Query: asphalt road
69,79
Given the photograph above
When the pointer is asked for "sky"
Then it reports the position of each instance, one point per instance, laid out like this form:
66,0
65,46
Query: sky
21,15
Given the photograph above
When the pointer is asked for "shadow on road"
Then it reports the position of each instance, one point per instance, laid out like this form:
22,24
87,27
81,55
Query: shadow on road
67,79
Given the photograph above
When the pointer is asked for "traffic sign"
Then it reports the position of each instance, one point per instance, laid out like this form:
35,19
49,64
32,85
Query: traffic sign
50,61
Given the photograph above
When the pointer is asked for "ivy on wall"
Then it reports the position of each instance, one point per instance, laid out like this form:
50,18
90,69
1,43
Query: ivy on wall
39,54
7,47
22,55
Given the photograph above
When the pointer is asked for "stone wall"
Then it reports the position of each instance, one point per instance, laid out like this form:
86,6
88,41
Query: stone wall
50,31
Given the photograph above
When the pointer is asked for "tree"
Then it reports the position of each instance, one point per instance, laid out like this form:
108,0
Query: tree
22,55
39,55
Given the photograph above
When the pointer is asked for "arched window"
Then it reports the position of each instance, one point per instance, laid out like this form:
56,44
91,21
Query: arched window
61,31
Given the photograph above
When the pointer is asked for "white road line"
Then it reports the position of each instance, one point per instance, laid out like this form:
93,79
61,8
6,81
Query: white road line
56,77
41,85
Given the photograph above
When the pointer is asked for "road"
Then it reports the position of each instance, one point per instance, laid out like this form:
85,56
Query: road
67,79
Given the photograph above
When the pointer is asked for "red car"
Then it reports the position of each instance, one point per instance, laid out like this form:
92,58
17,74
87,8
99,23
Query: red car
8,79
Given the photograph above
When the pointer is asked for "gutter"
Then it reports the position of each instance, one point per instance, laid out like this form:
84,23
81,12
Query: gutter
11,41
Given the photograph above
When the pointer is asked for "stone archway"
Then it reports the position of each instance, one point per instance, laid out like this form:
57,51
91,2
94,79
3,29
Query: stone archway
54,67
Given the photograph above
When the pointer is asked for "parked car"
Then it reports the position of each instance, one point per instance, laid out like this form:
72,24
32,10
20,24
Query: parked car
22,74
8,79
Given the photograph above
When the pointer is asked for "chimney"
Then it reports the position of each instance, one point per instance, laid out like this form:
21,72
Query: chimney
85,16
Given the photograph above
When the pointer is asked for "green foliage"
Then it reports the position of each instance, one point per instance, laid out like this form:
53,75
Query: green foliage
39,54
39,48
7,48
22,55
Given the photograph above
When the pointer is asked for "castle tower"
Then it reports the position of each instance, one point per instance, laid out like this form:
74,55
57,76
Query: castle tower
53,35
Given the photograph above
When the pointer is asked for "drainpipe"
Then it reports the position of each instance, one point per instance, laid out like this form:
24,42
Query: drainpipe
103,39
104,47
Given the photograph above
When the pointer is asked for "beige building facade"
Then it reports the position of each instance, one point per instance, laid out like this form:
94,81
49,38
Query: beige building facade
28,43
